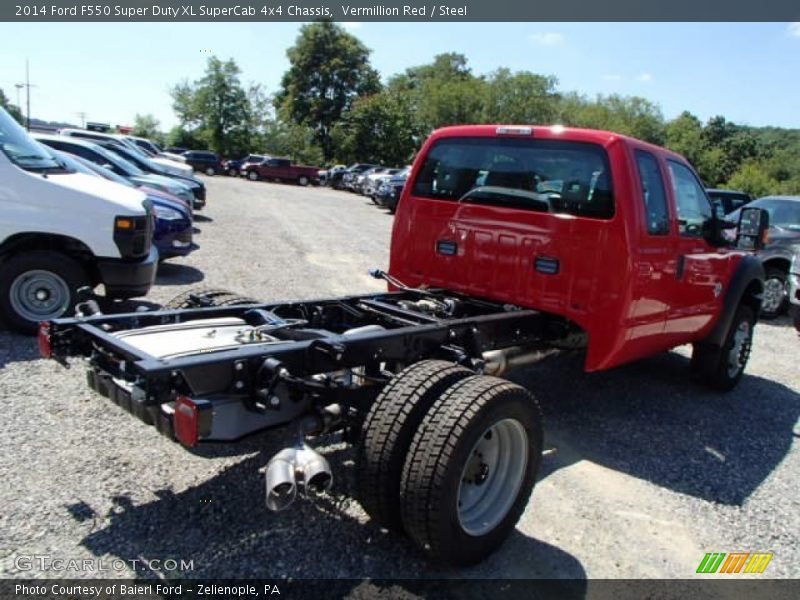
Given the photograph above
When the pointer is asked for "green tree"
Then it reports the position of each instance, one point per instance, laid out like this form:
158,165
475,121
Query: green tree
378,128
444,92
147,126
752,178
329,69
12,109
630,115
522,97
215,108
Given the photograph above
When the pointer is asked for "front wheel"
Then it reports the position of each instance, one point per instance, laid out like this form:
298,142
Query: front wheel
723,367
38,286
470,469
252,176
775,294
233,172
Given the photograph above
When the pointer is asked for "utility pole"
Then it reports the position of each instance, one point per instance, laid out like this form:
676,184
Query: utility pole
28,96
19,86
82,117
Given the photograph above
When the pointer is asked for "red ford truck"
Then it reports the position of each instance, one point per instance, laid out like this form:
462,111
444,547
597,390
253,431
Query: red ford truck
509,242
282,169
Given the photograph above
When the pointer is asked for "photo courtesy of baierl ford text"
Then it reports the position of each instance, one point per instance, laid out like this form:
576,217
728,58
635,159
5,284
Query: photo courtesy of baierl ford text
357,300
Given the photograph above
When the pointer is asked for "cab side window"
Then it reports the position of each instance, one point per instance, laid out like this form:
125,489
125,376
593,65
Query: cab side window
653,193
693,206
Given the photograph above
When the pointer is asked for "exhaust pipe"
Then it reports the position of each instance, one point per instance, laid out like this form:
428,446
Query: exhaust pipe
500,362
299,469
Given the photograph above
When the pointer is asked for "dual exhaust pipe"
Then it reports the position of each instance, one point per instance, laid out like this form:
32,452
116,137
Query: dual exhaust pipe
296,470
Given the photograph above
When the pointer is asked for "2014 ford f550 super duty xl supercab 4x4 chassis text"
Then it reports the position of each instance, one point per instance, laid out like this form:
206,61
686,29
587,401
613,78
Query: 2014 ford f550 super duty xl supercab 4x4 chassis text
509,242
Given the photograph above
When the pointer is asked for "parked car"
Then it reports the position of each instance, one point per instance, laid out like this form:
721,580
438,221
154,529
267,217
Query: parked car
101,156
234,166
154,149
171,167
777,255
282,169
151,166
326,175
173,230
389,192
349,176
204,161
62,230
728,200
370,182
177,150
794,289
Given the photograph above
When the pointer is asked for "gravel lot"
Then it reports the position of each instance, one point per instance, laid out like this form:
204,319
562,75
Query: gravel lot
644,472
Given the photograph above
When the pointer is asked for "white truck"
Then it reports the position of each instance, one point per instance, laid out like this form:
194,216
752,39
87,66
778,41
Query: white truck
61,230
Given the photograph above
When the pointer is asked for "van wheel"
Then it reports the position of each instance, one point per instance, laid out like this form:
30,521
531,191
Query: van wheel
211,171
38,286
252,176
722,368
775,294
388,429
470,469
302,180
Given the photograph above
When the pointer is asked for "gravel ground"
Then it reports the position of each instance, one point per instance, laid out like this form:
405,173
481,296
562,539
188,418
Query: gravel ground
644,472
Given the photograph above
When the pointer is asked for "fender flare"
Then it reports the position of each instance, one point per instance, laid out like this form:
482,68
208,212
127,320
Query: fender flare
746,285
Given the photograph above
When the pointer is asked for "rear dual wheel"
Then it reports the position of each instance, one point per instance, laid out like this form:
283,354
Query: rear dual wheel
467,470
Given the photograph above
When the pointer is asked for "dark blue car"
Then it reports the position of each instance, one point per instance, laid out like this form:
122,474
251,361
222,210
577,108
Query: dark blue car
173,230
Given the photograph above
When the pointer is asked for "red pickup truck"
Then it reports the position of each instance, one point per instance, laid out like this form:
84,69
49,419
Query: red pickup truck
509,243
282,169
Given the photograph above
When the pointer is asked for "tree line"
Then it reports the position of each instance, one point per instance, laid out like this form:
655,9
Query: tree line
332,107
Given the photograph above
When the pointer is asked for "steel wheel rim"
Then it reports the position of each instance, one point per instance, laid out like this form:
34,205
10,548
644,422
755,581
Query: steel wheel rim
740,351
39,295
774,290
492,477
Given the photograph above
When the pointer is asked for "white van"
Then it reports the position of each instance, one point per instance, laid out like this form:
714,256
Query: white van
61,230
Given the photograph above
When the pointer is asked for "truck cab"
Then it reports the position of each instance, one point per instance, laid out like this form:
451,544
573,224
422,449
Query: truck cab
62,230
611,233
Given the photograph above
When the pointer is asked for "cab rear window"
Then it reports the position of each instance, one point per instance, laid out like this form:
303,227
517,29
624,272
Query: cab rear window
529,174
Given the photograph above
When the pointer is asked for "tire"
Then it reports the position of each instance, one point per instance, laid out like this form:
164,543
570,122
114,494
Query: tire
776,297
252,176
477,415
233,172
388,429
216,295
302,180
211,171
722,368
38,285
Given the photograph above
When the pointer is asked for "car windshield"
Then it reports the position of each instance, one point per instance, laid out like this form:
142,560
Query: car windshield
783,213
530,174
126,166
141,162
21,149
98,170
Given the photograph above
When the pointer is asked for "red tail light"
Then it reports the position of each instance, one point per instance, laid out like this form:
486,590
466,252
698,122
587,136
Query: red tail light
186,421
45,348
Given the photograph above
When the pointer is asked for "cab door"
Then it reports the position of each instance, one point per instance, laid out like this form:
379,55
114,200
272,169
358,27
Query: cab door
653,257
700,268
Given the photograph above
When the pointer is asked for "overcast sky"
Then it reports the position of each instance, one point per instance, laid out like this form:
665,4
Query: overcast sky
747,72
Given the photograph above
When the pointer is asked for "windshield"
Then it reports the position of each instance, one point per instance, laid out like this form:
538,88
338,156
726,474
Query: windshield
142,162
126,166
530,174
96,169
21,149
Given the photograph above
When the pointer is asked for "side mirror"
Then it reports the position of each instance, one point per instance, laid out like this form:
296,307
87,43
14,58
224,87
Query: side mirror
753,227
715,229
